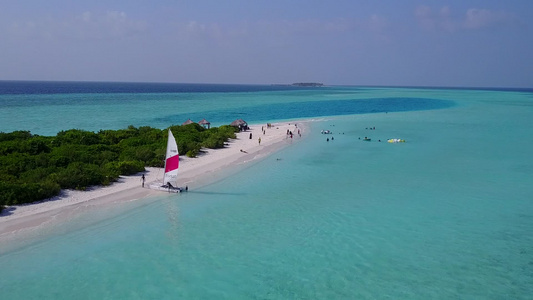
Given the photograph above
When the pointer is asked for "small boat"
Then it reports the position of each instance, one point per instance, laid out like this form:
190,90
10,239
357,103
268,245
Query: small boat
395,141
367,139
172,162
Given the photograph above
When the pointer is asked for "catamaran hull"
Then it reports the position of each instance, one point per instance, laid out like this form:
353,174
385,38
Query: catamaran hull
166,189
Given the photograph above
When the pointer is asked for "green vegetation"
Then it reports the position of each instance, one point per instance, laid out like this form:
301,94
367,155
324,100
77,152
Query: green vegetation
34,167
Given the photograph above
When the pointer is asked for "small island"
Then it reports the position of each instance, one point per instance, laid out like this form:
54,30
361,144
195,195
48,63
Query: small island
308,84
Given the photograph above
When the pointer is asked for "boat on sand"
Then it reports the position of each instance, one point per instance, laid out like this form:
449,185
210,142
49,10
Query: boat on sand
172,162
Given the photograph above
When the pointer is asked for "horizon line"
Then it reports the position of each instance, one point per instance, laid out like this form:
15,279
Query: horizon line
283,84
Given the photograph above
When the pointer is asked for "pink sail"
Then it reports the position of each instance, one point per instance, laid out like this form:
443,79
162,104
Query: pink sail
172,161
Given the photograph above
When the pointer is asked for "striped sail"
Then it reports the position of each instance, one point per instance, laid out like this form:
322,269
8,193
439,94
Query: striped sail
172,161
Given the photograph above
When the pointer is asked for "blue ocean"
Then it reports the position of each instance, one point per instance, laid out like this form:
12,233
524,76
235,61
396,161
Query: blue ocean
446,215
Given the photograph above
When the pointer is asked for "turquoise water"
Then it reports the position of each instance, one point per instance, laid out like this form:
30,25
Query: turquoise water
446,215
47,114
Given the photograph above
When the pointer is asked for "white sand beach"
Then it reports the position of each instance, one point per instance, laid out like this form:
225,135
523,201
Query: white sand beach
193,172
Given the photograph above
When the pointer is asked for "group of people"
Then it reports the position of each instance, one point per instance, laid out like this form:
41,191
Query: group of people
290,134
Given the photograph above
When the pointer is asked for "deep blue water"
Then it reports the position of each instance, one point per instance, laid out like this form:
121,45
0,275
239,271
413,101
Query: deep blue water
15,87
312,109
74,87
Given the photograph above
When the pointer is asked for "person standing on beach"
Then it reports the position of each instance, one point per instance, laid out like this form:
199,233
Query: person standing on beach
259,141
143,178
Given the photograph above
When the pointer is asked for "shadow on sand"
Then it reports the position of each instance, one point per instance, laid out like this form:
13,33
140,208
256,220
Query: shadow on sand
7,211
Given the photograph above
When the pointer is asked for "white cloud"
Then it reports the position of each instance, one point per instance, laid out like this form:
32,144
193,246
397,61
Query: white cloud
111,24
85,26
273,33
473,19
281,31
483,18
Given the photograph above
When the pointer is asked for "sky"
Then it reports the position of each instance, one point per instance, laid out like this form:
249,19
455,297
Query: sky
455,43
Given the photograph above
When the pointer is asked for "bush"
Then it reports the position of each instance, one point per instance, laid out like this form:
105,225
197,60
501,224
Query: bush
144,154
16,163
48,189
8,195
15,135
192,153
79,176
20,193
115,169
37,174
78,137
158,163
214,142
111,172
130,167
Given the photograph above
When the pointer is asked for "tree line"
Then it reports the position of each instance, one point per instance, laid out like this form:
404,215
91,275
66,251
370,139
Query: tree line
34,167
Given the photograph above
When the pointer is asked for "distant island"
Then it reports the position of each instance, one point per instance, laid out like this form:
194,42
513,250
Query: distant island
307,84
304,84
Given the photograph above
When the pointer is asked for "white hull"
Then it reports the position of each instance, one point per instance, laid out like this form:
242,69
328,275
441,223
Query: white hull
160,187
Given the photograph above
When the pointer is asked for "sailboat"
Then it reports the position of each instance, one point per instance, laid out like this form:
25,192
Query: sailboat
172,162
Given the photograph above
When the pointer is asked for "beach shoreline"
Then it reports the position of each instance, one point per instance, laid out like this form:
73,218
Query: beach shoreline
193,173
